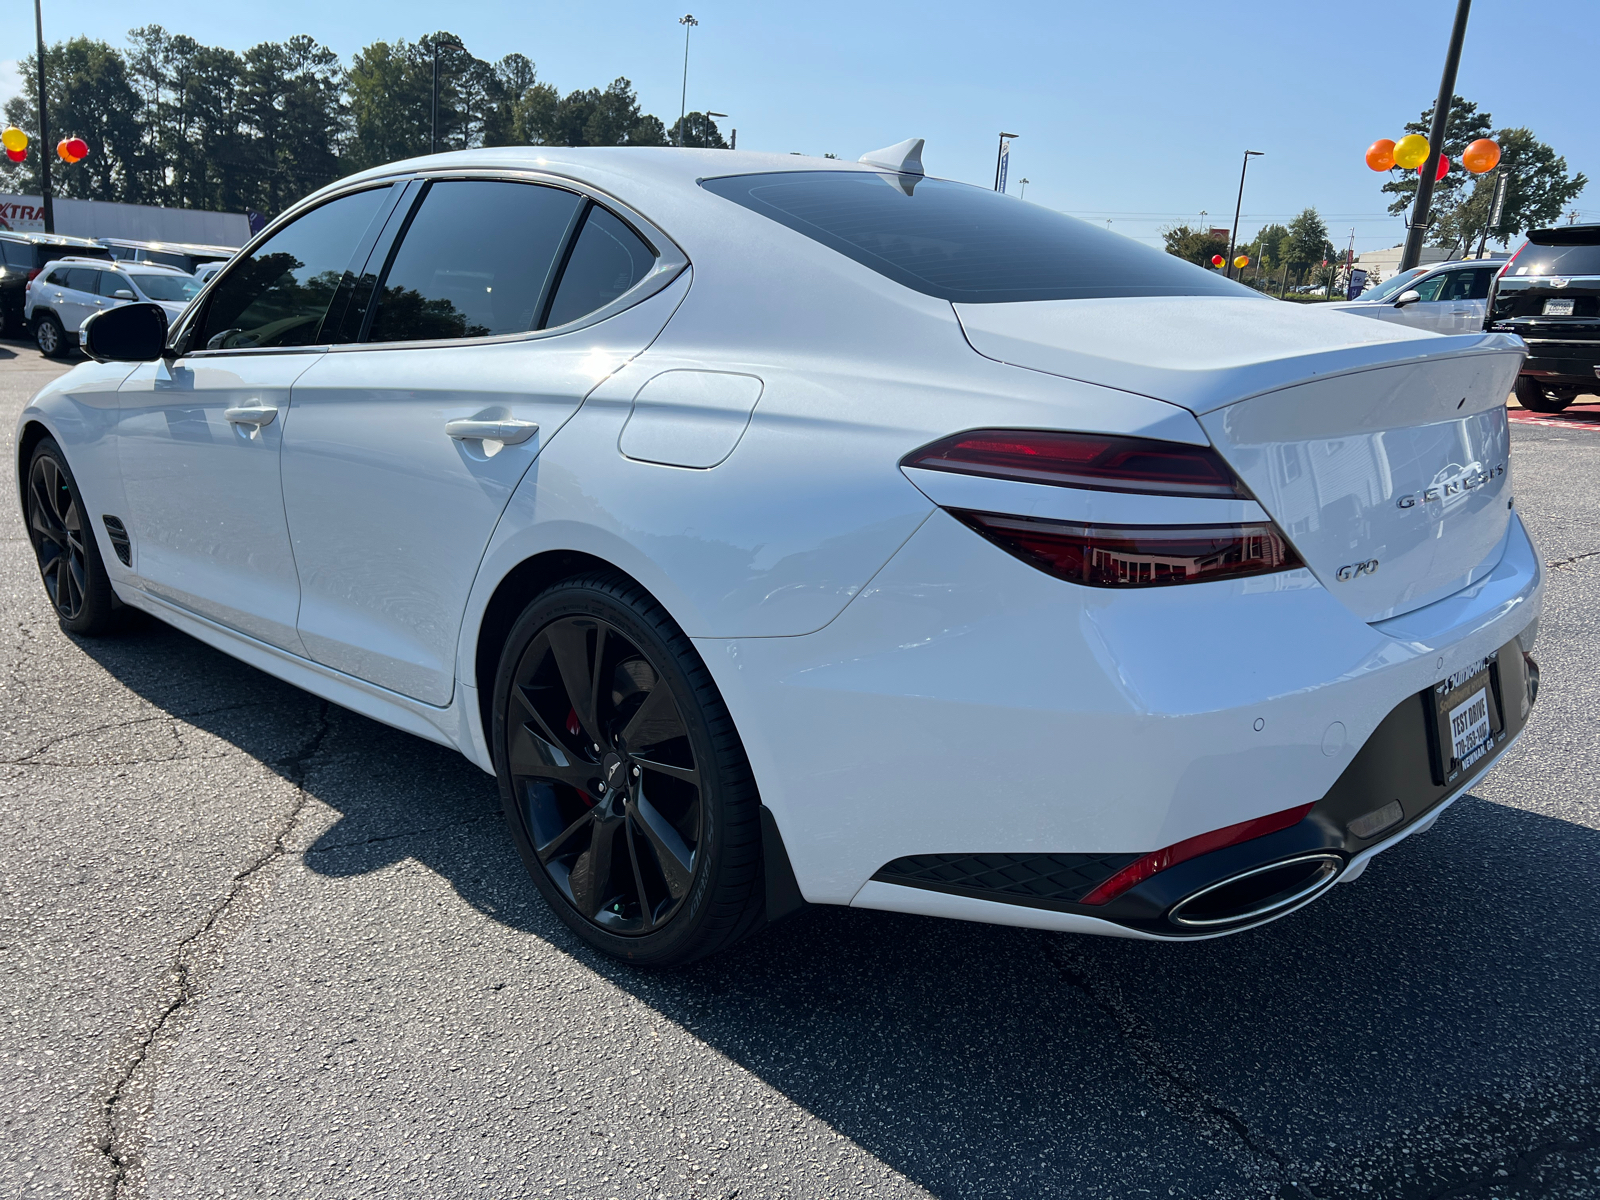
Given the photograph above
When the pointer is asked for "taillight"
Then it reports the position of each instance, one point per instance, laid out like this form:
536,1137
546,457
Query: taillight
34,273
1121,556
1156,861
1103,462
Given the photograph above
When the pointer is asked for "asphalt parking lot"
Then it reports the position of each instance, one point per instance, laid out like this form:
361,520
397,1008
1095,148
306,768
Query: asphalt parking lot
254,945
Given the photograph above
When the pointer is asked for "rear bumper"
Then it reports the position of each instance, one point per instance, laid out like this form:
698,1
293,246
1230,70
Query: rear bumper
1563,364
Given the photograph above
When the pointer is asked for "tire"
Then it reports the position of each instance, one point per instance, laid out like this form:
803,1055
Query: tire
49,336
63,540
1532,396
624,782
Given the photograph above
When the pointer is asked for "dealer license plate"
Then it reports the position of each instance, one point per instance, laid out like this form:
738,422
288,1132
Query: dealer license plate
1467,717
1558,308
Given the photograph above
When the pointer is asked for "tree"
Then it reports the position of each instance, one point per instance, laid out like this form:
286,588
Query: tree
1193,245
89,96
1465,125
1307,243
1267,247
1540,190
592,118
696,129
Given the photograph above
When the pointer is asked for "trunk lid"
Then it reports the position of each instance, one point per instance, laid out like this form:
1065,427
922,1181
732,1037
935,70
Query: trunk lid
1381,451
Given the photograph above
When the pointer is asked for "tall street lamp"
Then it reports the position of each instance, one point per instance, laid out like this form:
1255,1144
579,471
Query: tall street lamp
44,128
1023,194
1000,154
1417,228
1238,204
433,141
688,22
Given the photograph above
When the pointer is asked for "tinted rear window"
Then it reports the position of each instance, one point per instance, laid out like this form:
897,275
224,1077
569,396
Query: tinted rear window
965,243
1558,260
608,259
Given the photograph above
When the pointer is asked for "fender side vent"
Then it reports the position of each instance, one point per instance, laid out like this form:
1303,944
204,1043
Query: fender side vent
1037,880
119,539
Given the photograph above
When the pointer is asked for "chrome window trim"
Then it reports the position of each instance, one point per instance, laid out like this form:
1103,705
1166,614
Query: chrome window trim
671,262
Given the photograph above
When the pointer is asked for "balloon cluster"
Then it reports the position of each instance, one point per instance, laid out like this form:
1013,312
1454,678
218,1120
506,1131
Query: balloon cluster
1411,152
1242,261
15,142
73,149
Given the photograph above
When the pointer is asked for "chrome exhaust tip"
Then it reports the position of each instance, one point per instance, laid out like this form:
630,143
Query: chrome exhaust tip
1258,893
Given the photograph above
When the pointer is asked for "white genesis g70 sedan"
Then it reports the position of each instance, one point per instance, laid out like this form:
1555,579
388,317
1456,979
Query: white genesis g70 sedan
784,531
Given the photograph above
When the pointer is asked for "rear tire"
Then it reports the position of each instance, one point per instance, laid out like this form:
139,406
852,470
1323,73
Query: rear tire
1533,397
62,533
624,782
49,336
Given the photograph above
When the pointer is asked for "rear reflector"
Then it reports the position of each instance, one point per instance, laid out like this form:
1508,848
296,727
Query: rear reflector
1124,556
1141,869
1103,462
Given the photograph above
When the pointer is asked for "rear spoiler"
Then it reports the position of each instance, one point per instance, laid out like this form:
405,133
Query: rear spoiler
1566,235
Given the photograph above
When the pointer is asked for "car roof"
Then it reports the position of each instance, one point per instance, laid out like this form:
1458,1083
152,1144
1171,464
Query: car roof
50,239
175,247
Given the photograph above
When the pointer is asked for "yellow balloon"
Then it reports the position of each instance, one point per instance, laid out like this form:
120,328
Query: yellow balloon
14,139
1411,151
1242,261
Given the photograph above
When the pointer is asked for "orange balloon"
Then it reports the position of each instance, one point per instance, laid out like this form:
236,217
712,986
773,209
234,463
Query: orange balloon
64,150
1380,155
1482,155
1242,261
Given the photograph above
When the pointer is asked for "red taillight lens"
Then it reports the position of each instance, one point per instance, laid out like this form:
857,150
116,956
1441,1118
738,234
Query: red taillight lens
1103,462
1141,869
33,274
1123,556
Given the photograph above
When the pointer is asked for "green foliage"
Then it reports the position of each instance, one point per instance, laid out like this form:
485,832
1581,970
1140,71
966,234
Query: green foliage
1307,242
1462,202
1193,245
170,121
1267,249
698,130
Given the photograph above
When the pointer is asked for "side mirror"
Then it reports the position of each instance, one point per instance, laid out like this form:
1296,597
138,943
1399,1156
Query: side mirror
127,333
123,294
1410,296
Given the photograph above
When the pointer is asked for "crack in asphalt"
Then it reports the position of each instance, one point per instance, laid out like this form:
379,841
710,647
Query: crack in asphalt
1174,1087
1567,562
394,837
23,760
1519,1174
115,1138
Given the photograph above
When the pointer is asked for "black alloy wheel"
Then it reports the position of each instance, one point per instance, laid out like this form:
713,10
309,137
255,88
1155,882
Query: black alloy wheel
63,541
624,782
50,337
1532,395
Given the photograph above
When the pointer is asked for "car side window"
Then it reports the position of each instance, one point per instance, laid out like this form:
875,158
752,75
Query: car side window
279,295
83,279
111,283
58,277
19,254
1482,278
474,261
1431,287
607,260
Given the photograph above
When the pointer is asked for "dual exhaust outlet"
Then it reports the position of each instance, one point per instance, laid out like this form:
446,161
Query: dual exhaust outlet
1259,893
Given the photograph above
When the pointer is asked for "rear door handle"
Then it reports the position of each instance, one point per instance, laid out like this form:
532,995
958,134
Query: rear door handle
257,416
510,433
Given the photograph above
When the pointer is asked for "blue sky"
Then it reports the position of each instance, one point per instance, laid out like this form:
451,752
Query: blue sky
1136,112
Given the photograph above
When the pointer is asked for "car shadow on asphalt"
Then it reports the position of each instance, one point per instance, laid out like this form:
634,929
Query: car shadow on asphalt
981,1060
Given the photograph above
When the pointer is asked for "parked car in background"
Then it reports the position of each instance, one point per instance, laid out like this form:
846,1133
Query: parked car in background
62,298
1548,293
1446,298
186,256
22,257
206,270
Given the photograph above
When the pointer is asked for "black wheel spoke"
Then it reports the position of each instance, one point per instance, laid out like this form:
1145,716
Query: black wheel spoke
657,720
569,642
532,756
687,774
549,850
590,877
646,911
673,858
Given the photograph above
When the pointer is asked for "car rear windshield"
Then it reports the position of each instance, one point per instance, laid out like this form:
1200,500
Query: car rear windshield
965,243
1538,259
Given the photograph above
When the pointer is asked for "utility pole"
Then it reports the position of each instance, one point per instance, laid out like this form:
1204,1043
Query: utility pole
44,127
1227,267
1024,193
688,22
999,155
1417,229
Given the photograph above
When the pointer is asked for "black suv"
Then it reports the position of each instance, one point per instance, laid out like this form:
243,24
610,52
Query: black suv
24,255
1549,295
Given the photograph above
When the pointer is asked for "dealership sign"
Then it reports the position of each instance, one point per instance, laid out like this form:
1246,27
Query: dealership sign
23,214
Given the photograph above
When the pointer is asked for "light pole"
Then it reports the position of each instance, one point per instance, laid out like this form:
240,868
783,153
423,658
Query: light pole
44,128
999,155
433,128
724,116
1233,237
688,22
1023,194
1417,229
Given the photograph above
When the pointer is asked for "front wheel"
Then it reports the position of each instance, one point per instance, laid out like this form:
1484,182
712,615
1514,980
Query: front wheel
1532,396
50,337
624,782
63,541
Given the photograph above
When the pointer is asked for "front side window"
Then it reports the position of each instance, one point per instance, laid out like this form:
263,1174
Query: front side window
112,282
1431,288
475,261
279,295
963,243
166,287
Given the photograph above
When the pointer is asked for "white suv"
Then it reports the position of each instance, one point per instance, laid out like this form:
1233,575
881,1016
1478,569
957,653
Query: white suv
60,299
